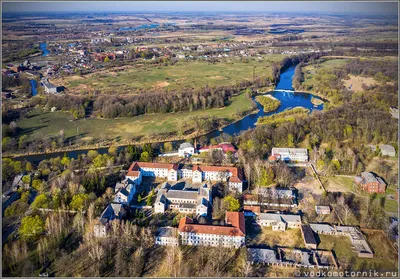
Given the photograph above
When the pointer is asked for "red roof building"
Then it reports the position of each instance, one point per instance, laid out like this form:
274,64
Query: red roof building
225,147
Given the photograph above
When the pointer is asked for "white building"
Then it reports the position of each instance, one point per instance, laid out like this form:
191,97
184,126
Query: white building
124,192
291,154
231,235
167,236
387,149
199,174
279,222
186,149
184,201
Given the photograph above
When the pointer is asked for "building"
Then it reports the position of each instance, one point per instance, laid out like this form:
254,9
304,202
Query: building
370,183
186,149
279,222
290,154
198,174
49,87
139,169
224,147
322,209
360,245
273,197
251,210
308,236
185,201
113,211
231,235
387,149
167,236
124,192
263,256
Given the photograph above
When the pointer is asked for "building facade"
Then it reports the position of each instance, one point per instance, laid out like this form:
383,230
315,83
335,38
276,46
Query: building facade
231,235
370,183
279,222
290,154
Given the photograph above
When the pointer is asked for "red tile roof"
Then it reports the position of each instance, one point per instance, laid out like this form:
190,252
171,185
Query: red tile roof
226,147
135,167
235,219
253,208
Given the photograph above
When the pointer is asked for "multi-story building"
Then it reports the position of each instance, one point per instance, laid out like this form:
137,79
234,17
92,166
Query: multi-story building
370,183
279,222
112,212
124,192
231,235
198,174
185,201
290,154
167,236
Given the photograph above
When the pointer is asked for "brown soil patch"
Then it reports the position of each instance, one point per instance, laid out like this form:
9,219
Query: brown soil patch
357,82
162,84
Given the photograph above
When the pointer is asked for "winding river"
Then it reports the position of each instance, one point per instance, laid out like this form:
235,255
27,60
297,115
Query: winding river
283,92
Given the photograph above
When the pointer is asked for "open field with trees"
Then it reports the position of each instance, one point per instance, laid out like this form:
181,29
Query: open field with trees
177,77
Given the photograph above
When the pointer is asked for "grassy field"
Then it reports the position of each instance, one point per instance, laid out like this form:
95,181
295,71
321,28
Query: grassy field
266,236
179,76
385,257
40,124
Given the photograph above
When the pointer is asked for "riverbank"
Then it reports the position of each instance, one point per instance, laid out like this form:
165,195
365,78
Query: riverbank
268,102
106,145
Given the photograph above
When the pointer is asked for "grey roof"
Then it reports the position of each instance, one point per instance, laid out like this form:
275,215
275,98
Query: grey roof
326,228
187,205
276,191
111,212
308,233
387,148
186,145
262,255
277,150
280,217
182,194
166,232
369,177
124,192
161,198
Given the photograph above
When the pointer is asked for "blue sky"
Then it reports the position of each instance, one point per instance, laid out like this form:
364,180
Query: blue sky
212,6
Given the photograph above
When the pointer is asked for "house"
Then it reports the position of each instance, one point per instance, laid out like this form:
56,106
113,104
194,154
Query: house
263,256
370,183
387,149
279,222
290,154
251,210
273,197
124,192
197,173
185,201
49,87
167,236
322,209
186,149
232,234
308,236
113,211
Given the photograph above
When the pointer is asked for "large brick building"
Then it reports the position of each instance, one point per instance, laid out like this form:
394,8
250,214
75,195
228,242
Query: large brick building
370,183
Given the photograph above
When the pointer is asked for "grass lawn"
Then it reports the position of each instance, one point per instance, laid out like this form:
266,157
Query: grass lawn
177,77
270,238
385,258
347,183
40,124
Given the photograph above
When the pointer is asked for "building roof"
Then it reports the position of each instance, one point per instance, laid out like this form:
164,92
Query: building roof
135,167
186,145
225,147
387,148
253,208
322,207
292,151
325,228
166,232
262,255
236,228
234,171
308,235
369,177
182,194
112,211
280,217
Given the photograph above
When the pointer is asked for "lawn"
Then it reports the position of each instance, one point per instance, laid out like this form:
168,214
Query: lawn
176,77
385,258
270,238
150,126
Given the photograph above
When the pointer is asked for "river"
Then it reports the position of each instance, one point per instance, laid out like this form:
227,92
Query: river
43,48
283,92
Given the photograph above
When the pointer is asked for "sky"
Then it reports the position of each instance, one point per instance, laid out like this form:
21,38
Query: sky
377,7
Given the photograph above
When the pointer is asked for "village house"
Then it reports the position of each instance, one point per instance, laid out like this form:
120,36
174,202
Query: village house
322,209
290,154
224,147
113,211
186,149
167,236
279,222
185,201
198,174
370,183
231,235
